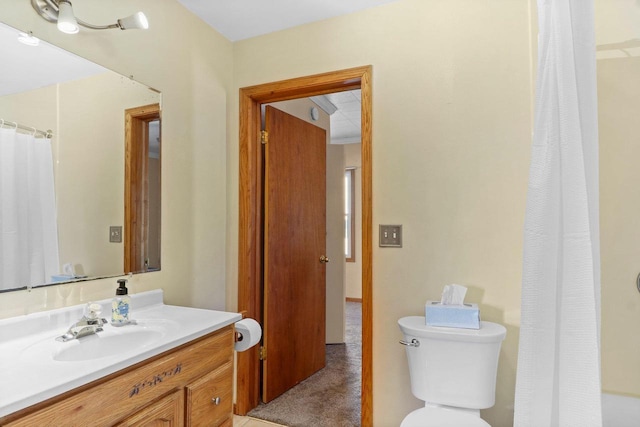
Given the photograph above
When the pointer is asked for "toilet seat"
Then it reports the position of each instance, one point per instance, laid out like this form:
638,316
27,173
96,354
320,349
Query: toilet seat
441,417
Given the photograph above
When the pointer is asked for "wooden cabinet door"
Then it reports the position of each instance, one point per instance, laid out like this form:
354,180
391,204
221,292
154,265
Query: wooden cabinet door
209,399
167,412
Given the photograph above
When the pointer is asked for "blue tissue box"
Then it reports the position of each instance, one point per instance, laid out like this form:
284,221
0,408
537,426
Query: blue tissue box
465,316
61,278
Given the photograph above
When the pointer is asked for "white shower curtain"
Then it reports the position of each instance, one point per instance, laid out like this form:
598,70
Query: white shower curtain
558,378
28,227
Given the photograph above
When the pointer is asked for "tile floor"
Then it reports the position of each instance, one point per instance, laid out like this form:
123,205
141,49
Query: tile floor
239,421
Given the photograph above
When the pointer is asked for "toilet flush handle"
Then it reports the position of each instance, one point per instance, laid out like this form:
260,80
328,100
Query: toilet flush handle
414,343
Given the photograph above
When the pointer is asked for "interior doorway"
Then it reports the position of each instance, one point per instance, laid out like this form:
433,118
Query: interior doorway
250,203
298,304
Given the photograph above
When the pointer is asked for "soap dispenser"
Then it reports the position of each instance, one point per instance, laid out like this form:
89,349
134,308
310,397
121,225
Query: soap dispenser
121,305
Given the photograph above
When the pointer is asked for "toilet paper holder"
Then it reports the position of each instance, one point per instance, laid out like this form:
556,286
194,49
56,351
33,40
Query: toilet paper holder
238,336
248,333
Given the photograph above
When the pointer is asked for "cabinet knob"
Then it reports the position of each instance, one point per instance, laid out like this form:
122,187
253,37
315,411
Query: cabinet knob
215,400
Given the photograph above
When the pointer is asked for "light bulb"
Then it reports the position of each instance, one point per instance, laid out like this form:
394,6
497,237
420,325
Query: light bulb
28,39
136,21
66,19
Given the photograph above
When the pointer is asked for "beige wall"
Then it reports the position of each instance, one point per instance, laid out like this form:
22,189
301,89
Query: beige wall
336,292
192,66
353,282
37,108
451,138
335,269
617,23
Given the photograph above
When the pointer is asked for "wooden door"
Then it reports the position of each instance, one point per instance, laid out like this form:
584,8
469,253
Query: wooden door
295,236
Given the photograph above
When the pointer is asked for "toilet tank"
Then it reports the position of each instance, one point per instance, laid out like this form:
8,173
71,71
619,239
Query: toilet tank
452,366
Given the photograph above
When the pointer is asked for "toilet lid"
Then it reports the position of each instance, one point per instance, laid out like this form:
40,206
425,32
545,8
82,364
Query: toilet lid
440,417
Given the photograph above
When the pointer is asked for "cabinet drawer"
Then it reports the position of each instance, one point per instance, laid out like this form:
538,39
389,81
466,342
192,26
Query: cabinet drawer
209,398
167,412
134,387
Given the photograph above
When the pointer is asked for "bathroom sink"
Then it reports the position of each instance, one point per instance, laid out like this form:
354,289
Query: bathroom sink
111,342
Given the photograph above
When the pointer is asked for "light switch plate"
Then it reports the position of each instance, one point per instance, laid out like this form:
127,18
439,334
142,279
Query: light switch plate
115,234
390,236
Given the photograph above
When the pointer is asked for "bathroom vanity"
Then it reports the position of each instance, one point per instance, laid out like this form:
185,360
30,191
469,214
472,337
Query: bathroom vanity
174,367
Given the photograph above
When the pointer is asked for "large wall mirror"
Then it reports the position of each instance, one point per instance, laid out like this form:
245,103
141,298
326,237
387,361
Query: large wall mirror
84,202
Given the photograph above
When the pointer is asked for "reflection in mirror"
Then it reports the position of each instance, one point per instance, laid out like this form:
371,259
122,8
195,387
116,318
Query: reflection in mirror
142,189
62,197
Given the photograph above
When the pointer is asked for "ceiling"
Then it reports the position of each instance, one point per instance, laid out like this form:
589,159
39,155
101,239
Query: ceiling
345,121
242,19
33,67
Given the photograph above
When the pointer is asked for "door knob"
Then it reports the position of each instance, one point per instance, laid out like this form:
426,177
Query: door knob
324,259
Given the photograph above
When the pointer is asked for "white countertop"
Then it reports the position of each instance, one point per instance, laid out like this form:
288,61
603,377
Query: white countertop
29,374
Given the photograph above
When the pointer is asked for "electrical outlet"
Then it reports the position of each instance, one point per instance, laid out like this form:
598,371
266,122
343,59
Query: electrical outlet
390,236
115,234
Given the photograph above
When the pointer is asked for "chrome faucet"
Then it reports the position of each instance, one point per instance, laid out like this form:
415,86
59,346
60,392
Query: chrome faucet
90,324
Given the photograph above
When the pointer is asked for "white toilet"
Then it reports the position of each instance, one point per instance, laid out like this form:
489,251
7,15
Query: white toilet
453,370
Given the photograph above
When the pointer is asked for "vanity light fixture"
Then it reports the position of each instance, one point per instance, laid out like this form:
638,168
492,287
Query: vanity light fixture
61,13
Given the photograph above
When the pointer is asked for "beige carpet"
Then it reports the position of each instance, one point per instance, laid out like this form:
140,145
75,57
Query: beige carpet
331,396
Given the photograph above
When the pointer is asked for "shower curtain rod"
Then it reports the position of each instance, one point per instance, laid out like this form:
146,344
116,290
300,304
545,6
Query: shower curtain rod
46,133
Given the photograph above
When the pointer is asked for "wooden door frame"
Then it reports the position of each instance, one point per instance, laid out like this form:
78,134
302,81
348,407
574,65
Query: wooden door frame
250,218
135,164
